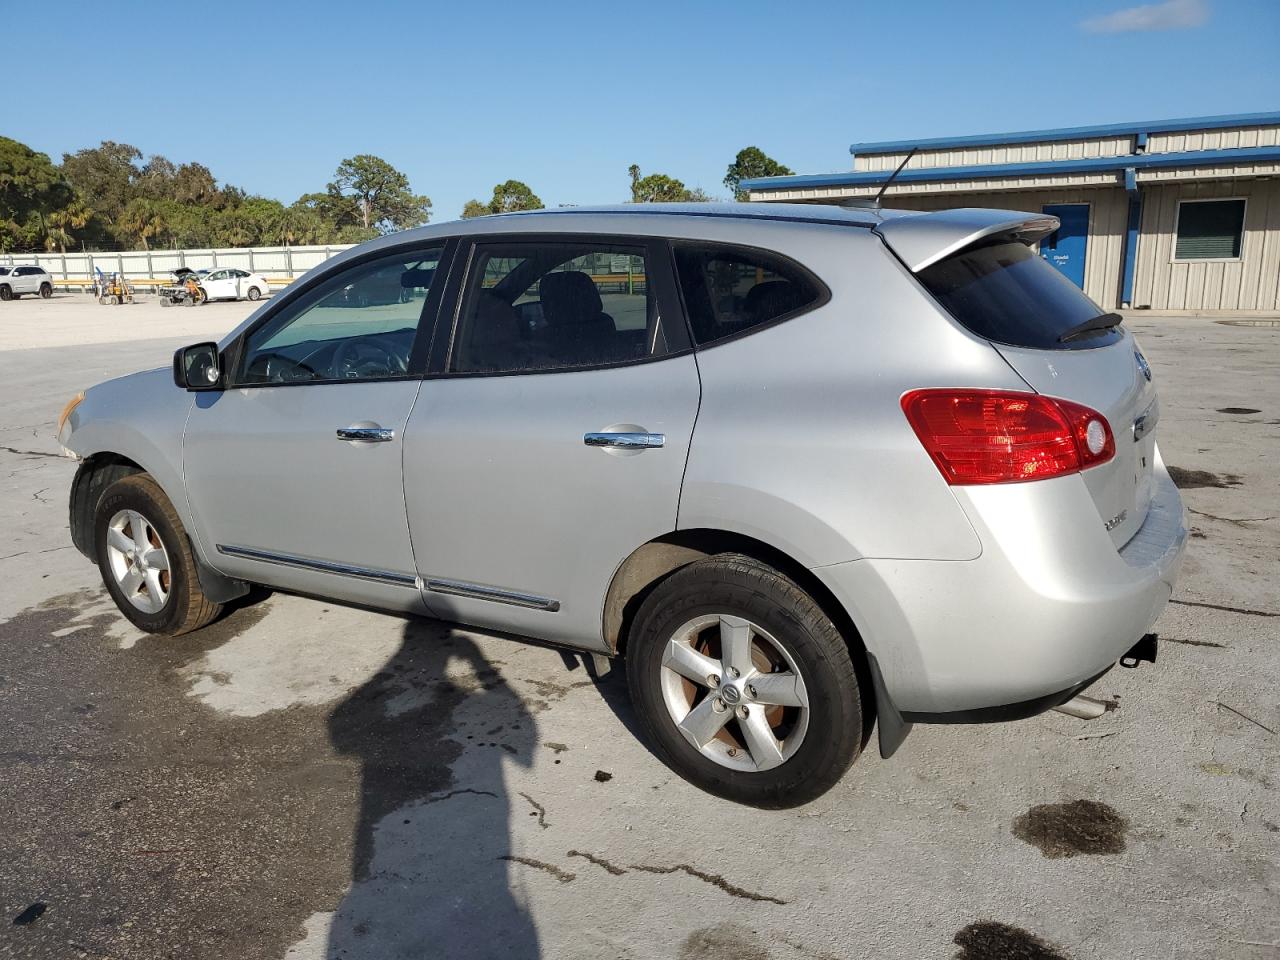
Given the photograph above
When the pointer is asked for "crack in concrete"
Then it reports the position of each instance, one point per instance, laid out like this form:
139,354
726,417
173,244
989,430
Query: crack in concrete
1245,716
714,879
601,862
26,553
31,454
539,809
1195,643
1238,521
1218,606
564,876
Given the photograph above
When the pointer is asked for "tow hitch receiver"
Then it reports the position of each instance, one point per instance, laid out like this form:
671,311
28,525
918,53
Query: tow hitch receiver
1144,649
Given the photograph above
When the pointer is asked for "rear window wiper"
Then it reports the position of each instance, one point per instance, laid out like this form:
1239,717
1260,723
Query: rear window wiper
1103,321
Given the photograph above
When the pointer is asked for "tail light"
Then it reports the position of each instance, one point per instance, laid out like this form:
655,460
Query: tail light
1001,436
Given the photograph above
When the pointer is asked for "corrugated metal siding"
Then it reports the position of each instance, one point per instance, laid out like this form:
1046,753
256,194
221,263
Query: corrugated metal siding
1250,283
1108,214
949,188
1006,153
1225,139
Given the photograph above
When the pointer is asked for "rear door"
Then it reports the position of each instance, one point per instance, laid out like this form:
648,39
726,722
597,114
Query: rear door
550,437
1002,291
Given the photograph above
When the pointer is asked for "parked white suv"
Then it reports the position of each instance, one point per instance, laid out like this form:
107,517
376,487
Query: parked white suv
15,281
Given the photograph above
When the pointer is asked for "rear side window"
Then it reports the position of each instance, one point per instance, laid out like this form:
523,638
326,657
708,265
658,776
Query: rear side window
1005,292
729,290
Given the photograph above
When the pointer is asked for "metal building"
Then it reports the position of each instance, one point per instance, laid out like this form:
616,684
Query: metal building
1170,215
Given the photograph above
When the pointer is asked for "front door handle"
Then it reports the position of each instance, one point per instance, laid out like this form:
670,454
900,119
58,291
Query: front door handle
625,441
363,434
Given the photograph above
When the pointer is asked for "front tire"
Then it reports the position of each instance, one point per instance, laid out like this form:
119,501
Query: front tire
145,559
6,292
744,685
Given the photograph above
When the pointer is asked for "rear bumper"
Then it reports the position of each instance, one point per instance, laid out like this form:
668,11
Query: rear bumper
1048,607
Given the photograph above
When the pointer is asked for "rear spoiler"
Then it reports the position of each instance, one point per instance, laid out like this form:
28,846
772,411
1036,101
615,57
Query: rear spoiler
922,239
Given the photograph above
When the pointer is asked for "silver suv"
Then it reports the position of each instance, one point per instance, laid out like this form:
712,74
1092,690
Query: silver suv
806,467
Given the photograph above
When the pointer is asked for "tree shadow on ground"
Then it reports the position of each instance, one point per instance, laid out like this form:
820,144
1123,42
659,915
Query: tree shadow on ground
433,730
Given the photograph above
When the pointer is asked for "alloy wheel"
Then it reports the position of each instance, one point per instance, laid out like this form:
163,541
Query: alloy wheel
734,692
139,561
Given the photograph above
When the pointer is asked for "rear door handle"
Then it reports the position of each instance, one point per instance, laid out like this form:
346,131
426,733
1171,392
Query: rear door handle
360,434
625,441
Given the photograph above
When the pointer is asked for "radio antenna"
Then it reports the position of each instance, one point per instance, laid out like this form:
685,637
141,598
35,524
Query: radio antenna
894,176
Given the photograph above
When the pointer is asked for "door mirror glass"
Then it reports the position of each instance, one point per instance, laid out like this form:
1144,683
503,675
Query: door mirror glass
198,367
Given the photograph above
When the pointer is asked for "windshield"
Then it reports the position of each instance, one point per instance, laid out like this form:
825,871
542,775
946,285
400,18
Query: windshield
1005,292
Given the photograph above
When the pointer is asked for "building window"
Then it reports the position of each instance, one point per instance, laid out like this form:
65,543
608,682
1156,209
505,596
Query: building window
1209,230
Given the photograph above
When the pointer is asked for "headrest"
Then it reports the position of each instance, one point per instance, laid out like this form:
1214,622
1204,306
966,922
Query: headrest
417,277
771,299
569,297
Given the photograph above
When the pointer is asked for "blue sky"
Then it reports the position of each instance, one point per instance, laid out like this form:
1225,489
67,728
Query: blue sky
566,95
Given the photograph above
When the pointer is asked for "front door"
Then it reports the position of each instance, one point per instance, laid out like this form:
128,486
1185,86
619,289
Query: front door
549,441
294,472
1065,248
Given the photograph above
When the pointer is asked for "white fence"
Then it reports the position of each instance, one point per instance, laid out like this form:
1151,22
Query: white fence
280,265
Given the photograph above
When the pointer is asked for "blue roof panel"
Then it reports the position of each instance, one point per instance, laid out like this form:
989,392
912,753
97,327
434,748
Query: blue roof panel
1141,161
1073,133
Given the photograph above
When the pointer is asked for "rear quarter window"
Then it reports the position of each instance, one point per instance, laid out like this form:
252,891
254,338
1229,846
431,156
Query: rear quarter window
1007,293
730,290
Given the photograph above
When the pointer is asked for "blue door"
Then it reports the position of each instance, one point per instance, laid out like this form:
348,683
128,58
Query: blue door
1065,247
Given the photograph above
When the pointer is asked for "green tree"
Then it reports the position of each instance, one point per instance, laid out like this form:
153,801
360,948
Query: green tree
749,163
660,188
66,221
105,176
143,219
508,197
30,187
381,193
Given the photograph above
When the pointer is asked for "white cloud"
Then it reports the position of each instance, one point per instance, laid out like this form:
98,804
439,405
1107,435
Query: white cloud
1169,15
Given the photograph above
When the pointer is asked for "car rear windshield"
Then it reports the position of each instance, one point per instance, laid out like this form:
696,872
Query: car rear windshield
1007,293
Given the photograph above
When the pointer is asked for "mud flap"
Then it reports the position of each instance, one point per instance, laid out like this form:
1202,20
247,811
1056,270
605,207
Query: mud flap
890,725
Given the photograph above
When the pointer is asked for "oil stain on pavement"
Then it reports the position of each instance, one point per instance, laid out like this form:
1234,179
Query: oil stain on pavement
988,940
1071,829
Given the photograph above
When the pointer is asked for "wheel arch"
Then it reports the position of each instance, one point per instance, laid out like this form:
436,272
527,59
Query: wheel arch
94,475
652,562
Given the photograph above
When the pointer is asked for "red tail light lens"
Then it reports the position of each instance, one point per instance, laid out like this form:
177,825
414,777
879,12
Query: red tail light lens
999,436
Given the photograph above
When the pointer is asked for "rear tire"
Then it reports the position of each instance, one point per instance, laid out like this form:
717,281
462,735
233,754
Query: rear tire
145,559
46,290
254,294
783,742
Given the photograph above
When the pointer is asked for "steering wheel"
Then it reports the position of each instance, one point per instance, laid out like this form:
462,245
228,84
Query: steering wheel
281,369
367,356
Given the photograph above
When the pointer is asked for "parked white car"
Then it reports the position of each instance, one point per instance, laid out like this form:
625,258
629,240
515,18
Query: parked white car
15,281
234,284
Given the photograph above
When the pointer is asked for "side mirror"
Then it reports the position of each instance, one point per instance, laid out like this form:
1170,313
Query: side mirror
198,367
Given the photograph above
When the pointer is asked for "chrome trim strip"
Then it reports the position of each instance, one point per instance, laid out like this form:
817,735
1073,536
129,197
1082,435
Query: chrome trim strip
460,588
625,441
322,566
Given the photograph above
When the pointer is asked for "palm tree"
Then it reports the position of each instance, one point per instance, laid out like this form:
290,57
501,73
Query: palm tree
74,216
144,219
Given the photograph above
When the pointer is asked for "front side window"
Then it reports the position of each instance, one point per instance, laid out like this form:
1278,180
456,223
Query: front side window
729,290
1209,230
359,324
556,305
